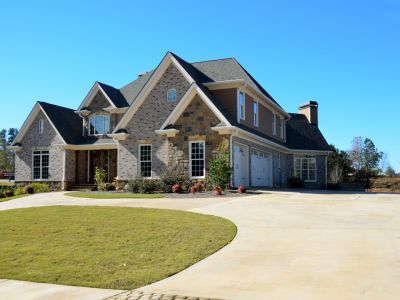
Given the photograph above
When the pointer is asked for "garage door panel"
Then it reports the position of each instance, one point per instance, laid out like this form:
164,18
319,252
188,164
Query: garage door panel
261,168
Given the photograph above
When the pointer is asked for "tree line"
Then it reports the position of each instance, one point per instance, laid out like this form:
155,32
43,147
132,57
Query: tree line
362,162
6,155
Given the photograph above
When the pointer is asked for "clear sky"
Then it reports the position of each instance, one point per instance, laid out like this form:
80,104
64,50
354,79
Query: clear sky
343,54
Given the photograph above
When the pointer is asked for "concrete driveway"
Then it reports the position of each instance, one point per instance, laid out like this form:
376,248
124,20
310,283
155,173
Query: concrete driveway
289,245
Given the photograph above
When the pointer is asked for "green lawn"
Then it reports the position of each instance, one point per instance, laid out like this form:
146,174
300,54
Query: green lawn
105,247
112,195
11,198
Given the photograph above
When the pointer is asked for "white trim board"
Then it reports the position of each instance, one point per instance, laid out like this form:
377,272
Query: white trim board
92,93
29,120
148,87
185,101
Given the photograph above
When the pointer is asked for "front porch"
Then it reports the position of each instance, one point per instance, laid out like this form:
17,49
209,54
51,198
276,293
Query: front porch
86,162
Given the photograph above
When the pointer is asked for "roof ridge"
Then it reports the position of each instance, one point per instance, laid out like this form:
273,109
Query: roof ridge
209,60
47,103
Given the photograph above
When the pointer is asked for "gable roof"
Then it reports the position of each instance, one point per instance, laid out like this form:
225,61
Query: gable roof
132,89
67,123
301,135
115,95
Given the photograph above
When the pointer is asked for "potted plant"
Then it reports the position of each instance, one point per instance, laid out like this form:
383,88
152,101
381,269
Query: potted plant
193,189
241,189
217,191
176,188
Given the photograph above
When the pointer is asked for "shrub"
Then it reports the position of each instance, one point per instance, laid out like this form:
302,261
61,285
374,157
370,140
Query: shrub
242,189
28,189
193,189
144,186
176,188
199,186
133,186
100,176
148,186
39,187
19,191
172,175
295,182
220,171
8,193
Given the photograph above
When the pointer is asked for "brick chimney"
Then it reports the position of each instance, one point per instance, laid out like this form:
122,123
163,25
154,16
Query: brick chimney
310,110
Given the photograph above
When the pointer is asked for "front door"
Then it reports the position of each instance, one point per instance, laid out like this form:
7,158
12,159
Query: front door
99,159
240,165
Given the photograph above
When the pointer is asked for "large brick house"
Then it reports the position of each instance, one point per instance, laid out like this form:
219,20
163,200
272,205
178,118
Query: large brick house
178,113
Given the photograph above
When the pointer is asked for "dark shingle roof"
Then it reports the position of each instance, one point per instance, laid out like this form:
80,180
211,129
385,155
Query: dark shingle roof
228,69
131,90
68,124
115,95
300,134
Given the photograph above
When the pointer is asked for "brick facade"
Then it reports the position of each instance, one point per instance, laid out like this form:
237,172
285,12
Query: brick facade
49,140
149,117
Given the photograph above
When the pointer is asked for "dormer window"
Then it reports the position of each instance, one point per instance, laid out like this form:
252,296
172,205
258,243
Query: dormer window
171,95
41,126
99,125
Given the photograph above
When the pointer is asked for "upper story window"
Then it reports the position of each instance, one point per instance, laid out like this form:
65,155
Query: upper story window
41,126
241,106
171,95
255,113
305,167
281,127
274,124
99,124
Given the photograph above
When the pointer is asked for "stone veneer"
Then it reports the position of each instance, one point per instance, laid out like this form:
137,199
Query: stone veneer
195,125
149,117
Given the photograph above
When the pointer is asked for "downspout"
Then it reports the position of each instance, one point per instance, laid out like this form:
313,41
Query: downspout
63,178
231,157
326,172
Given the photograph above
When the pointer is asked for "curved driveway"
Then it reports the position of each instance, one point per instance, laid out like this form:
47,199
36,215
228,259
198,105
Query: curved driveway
289,245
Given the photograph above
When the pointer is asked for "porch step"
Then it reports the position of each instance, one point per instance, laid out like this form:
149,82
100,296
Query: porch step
83,187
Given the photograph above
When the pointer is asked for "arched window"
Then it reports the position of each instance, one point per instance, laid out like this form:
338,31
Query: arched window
171,95
99,124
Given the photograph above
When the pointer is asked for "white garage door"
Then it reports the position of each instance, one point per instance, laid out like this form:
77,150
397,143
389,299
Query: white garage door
261,168
240,165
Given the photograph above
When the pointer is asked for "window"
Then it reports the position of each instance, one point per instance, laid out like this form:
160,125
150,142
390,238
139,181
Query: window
305,167
197,159
99,124
171,95
41,164
281,127
255,113
145,160
41,126
274,124
241,108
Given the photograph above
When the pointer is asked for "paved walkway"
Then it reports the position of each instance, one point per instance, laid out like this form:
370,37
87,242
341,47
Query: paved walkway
289,246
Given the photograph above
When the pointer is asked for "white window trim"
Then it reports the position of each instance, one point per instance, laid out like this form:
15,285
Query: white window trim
301,166
274,123
281,126
97,115
238,105
41,175
255,113
41,126
151,161
176,95
190,160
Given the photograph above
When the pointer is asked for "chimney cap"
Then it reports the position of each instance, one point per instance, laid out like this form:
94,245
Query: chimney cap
309,103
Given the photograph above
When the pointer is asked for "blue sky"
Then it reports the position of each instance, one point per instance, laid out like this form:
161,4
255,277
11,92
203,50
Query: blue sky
343,54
